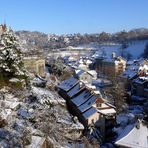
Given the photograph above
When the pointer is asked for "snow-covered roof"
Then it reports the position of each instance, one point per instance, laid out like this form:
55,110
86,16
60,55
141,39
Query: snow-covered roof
89,112
129,74
97,92
82,97
88,61
81,61
71,58
138,98
143,67
144,78
82,66
141,80
75,90
134,137
91,87
68,84
87,104
92,72
131,71
107,111
80,72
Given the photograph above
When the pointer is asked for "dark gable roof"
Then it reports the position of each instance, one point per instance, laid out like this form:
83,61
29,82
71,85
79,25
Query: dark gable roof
89,112
68,84
75,90
82,97
88,104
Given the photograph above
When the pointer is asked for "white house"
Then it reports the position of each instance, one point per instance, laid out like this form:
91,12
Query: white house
134,137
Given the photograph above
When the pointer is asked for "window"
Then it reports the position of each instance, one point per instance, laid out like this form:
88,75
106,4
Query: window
98,104
92,121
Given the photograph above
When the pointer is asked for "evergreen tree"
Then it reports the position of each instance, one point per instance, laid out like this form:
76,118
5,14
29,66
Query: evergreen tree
11,64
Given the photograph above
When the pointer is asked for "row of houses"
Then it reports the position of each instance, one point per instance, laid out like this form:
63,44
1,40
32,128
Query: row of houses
88,105
83,68
136,78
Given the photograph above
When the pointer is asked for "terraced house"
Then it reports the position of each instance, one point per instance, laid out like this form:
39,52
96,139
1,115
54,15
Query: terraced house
88,105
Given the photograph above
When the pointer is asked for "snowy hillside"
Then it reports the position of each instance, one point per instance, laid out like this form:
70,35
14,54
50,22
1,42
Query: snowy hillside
135,49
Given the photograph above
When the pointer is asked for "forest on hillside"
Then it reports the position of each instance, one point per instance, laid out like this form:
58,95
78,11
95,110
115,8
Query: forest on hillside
53,41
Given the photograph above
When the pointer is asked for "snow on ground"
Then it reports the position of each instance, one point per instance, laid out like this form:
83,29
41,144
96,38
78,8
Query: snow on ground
33,119
135,48
44,95
106,51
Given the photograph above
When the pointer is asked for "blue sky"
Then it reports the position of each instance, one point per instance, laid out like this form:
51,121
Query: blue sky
73,16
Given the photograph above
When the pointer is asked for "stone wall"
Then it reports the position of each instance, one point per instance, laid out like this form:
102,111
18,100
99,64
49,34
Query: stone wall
35,65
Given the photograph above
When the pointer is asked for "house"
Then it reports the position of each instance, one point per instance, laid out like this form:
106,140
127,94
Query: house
93,73
139,90
91,109
131,78
85,102
110,67
35,65
83,66
135,69
86,76
135,136
87,112
84,63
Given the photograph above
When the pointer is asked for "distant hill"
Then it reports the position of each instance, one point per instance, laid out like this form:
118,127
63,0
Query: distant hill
37,41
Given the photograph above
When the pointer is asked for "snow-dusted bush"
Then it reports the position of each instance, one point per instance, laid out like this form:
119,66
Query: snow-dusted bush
11,64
